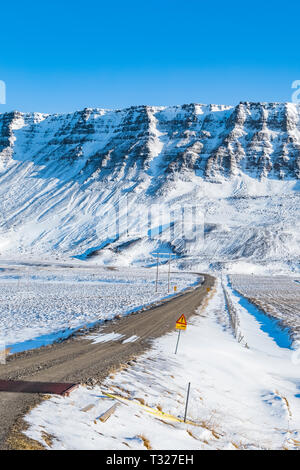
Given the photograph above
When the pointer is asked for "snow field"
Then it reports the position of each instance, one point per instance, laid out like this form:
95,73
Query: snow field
278,296
38,307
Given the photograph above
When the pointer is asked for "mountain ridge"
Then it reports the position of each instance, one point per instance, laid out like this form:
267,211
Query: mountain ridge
269,132
72,168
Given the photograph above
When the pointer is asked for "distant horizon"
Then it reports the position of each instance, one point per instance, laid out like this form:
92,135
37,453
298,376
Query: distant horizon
145,105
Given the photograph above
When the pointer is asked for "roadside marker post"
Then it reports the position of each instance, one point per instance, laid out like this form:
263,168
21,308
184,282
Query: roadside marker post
187,401
177,341
180,325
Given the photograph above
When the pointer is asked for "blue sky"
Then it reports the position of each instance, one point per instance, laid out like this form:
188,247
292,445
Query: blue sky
60,56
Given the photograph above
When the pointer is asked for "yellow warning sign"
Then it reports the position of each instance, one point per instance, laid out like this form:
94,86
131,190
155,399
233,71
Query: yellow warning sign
175,288
181,323
208,289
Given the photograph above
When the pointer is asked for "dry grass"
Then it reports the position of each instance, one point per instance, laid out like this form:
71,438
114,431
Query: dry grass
17,440
123,390
206,301
141,400
167,422
114,370
192,435
146,442
48,438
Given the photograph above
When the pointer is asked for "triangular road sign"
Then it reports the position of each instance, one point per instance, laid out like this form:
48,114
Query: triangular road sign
182,320
181,323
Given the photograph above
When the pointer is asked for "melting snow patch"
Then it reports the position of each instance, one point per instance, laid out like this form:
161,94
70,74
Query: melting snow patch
131,339
104,337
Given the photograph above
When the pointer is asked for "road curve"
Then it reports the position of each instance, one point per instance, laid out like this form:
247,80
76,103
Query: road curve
79,360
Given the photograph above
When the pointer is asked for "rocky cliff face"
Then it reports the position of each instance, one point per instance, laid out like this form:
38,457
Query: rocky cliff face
63,168
258,139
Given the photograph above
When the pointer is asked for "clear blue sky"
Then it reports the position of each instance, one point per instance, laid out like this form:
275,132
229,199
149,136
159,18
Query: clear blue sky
59,56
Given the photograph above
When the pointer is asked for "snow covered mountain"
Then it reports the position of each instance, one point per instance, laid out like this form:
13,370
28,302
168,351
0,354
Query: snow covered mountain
62,178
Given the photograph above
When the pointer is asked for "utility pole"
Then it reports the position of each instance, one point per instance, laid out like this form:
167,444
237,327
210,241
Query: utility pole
156,283
164,255
169,272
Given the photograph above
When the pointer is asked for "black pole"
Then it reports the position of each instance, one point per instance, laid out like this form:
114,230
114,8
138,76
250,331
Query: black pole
169,272
179,331
156,283
187,401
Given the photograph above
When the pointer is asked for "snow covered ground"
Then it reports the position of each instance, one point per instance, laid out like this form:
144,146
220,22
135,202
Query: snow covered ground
279,296
244,395
39,305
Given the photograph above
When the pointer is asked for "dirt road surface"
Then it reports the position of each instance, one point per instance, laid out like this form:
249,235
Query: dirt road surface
79,360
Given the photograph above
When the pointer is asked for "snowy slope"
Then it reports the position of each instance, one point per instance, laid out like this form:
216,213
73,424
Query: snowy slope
62,177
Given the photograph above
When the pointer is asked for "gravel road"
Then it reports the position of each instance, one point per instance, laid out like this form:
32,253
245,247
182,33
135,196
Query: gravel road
79,360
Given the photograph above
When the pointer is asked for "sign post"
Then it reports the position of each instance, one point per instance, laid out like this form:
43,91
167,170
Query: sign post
180,325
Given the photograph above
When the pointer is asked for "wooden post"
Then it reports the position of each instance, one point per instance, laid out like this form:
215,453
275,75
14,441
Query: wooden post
104,417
